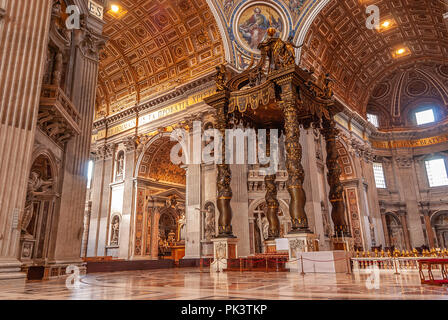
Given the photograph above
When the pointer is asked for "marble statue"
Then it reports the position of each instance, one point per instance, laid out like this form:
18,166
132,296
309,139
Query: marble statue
209,221
115,230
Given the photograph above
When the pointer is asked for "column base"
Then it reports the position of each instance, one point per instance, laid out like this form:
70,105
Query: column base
223,249
301,242
10,272
206,248
344,244
270,246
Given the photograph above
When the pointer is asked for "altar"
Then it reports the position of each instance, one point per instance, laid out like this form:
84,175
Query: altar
321,262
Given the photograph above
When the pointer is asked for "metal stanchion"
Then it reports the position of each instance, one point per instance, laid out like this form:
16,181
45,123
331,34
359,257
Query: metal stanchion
349,265
301,261
396,268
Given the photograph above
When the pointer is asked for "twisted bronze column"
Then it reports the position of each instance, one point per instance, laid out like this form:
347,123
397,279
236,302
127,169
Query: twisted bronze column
294,167
272,204
271,196
330,133
224,176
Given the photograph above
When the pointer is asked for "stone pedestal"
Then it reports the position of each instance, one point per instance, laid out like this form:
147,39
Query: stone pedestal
207,248
27,248
344,244
301,242
270,246
321,262
223,249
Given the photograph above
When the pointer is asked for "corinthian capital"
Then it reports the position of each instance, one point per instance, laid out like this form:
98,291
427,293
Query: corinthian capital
89,41
130,143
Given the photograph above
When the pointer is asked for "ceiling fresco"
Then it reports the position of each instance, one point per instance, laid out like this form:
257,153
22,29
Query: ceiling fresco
245,23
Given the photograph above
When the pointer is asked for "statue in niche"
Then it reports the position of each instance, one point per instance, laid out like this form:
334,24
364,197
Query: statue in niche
115,231
263,226
182,222
120,163
209,226
325,219
36,186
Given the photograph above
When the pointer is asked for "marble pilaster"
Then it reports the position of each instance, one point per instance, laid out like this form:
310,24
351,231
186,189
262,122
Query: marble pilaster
82,92
23,39
240,207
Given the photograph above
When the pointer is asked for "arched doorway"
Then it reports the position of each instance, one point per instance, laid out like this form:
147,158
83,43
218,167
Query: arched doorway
160,198
37,218
439,222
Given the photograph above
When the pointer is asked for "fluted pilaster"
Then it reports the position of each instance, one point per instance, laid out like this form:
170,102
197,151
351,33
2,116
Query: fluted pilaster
83,90
23,37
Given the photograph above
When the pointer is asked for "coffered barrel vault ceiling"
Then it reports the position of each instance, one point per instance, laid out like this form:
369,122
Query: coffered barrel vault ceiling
155,46
339,43
160,44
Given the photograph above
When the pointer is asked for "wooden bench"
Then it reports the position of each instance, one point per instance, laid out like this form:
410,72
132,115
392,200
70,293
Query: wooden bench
430,263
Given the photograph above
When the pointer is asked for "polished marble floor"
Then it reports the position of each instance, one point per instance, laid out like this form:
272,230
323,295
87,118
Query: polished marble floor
191,284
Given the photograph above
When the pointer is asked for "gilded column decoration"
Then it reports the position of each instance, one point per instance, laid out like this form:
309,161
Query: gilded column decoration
272,204
271,199
223,201
296,174
224,174
330,132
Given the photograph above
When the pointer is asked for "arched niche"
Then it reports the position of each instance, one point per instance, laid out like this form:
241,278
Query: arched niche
395,231
439,221
38,216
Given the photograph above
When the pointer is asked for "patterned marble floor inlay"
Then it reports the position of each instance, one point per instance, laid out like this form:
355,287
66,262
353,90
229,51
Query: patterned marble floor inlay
189,284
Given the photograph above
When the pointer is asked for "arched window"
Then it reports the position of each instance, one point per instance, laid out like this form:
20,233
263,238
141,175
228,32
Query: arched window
425,116
436,171
378,171
373,119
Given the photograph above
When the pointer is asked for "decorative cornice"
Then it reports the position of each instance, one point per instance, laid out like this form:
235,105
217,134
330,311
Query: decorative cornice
142,108
409,133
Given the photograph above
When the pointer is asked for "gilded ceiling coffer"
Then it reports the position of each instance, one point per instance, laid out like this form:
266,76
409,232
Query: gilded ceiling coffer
275,93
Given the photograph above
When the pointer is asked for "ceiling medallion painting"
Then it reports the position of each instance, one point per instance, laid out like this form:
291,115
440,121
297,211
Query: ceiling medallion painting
253,24
245,23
